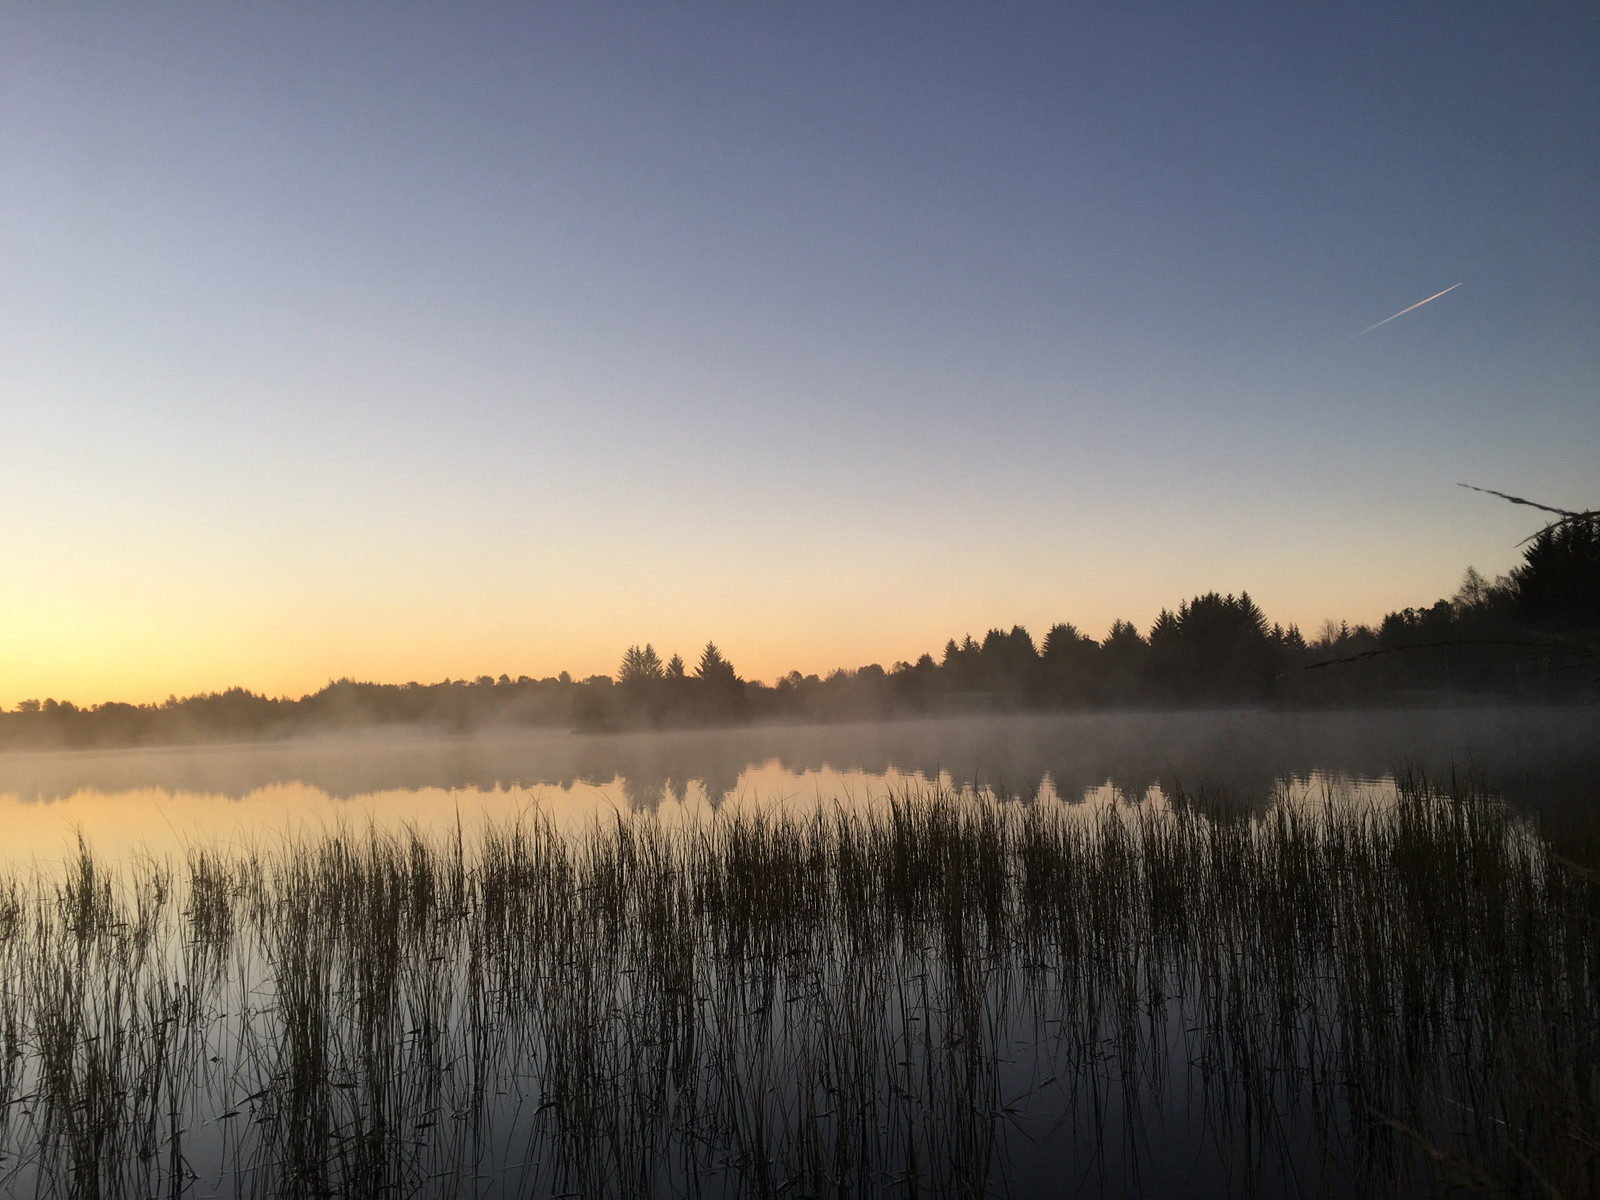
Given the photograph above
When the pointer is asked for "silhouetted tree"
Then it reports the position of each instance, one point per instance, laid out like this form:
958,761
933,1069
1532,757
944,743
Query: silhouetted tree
1069,662
1557,587
915,685
713,668
1214,648
640,666
720,690
1123,657
961,668
1008,662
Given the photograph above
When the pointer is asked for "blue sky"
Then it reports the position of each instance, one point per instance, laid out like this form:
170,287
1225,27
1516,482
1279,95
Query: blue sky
407,341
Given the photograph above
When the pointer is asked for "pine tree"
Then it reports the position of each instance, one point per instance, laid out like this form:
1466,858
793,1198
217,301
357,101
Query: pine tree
640,666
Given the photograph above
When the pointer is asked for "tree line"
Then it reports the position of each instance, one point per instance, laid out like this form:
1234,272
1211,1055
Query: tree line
1531,635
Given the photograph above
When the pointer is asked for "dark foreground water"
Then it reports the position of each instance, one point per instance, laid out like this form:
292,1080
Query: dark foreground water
1063,969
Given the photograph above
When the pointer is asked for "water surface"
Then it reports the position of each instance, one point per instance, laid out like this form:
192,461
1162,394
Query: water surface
1208,953
164,798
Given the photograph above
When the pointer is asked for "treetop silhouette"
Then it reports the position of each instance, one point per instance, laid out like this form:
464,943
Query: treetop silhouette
1531,635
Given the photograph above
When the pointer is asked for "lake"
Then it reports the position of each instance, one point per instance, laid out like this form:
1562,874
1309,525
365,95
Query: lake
1208,953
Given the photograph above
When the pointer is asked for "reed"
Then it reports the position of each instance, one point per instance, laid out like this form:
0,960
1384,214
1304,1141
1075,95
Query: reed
940,994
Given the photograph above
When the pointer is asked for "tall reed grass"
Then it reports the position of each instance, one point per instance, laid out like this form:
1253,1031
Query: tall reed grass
941,995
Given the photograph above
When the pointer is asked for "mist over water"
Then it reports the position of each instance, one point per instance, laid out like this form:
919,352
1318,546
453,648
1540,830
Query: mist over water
1541,759
1382,991
1227,952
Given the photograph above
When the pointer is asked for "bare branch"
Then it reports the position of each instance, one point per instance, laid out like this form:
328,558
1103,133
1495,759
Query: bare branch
1560,512
1566,517
1563,646
1574,519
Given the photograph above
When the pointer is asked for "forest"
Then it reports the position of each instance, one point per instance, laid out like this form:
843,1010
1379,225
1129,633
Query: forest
1531,636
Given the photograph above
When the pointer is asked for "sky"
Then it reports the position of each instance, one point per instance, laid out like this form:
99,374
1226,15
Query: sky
414,341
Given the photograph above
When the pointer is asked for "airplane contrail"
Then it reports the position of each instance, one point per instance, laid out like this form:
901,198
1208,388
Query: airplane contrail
1404,311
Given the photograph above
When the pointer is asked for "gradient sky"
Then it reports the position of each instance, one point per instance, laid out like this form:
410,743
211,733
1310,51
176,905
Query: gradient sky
412,341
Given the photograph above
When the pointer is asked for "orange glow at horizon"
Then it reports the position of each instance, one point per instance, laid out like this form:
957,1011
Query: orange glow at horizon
183,643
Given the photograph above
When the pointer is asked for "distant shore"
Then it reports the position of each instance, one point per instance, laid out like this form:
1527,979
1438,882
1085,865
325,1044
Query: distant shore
1529,637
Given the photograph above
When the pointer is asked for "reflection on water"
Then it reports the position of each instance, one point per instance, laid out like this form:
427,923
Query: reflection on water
763,978
940,997
157,798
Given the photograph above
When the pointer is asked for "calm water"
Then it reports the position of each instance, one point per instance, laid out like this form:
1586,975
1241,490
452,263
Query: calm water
1068,996
164,798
